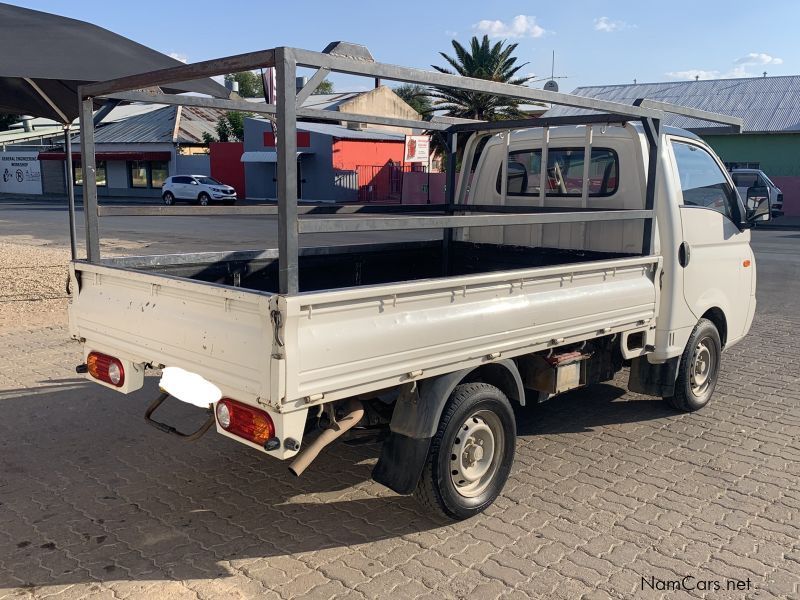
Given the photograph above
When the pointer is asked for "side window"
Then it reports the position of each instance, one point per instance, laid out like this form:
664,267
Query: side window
564,172
745,180
703,183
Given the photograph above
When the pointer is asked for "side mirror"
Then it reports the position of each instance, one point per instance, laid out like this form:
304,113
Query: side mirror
759,207
194,182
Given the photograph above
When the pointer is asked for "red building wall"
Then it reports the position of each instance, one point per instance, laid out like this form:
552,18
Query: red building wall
349,154
227,165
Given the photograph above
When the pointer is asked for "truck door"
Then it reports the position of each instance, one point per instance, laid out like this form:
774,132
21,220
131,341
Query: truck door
715,253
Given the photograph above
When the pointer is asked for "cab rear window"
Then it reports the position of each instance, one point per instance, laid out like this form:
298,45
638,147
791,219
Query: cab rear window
564,172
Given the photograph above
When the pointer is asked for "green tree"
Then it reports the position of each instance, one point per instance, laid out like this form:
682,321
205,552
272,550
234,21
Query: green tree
250,84
417,97
482,61
326,87
229,128
6,120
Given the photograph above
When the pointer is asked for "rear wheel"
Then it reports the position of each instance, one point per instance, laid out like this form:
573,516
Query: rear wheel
203,199
169,198
699,368
471,454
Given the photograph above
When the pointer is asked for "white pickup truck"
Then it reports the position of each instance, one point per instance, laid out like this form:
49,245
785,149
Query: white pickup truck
539,285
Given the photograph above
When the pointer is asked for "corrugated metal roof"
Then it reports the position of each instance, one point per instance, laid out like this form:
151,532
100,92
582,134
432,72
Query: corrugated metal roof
157,126
345,133
322,101
765,104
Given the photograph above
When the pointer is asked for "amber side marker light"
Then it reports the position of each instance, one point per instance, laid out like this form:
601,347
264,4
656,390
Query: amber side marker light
245,421
745,263
105,368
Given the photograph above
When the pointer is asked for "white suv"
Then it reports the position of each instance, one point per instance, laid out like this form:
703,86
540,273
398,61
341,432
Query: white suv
196,188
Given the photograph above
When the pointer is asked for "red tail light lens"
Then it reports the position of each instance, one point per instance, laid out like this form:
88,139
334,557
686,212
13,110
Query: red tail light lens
245,421
106,368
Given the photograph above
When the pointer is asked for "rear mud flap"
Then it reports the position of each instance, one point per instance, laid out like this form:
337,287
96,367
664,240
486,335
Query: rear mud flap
402,460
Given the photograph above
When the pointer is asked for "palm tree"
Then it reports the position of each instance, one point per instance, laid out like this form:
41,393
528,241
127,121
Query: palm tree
482,61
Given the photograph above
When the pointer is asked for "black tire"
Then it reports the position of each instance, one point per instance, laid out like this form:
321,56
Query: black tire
169,198
437,489
704,346
203,199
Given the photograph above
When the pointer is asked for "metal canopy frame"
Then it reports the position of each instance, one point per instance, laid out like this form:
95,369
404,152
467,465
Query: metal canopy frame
342,57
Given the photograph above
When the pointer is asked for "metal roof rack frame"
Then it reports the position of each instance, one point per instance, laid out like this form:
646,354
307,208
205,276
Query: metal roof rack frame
352,59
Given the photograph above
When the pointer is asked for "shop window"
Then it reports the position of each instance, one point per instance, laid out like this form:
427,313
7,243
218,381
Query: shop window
137,172
100,174
159,171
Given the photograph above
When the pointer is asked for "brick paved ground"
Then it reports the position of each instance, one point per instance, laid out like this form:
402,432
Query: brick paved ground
608,487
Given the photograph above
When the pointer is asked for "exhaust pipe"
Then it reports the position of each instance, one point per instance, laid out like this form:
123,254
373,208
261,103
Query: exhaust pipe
354,411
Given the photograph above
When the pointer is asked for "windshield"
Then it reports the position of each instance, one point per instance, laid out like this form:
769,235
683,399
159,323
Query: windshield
208,181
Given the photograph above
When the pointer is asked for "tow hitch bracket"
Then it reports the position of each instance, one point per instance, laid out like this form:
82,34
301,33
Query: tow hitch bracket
187,437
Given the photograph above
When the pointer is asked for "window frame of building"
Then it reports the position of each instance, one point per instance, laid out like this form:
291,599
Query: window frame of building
130,165
101,173
553,154
152,169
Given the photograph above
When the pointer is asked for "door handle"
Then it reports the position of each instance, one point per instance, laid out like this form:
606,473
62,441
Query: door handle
684,254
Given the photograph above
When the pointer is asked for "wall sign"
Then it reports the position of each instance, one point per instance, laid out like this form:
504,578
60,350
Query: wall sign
20,173
418,148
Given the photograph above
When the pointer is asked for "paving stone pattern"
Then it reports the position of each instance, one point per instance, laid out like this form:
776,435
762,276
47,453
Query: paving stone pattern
609,487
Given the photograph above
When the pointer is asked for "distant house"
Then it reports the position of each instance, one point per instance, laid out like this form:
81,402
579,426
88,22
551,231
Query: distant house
380,101
136,149
334,162
769,107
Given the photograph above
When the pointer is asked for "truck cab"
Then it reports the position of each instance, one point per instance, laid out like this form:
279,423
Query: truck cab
701,223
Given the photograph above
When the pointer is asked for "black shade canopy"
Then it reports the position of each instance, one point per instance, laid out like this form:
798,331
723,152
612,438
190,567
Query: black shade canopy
42,54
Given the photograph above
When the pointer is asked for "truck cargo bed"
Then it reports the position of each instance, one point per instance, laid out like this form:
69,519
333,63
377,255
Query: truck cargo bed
335,267
354,329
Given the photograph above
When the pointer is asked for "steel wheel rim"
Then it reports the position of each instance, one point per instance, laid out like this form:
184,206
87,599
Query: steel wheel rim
703,366
476,453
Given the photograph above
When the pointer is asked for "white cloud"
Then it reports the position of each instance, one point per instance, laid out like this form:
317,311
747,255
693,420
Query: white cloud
739,69
178,56
693,73
608,26
519,27
759,58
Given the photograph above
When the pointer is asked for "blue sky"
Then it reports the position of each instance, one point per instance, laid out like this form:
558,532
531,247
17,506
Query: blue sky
596,42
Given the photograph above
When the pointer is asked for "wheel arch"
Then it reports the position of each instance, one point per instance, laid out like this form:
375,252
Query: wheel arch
717,316
416,417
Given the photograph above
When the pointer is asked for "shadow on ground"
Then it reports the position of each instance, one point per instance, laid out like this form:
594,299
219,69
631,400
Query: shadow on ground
90,492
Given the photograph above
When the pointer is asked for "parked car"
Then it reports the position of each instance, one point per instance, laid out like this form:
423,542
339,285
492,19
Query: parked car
201,189
755,180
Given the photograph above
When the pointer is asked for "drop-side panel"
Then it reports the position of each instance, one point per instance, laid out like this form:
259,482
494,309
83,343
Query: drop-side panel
221,333
366,338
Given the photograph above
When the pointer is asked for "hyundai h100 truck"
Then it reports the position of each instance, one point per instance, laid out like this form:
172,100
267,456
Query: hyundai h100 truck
568,248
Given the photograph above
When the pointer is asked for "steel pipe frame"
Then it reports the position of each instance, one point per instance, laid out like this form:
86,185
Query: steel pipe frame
260,209
348,224
286,61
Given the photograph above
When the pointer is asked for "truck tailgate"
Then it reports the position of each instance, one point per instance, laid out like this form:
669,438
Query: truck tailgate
221,333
